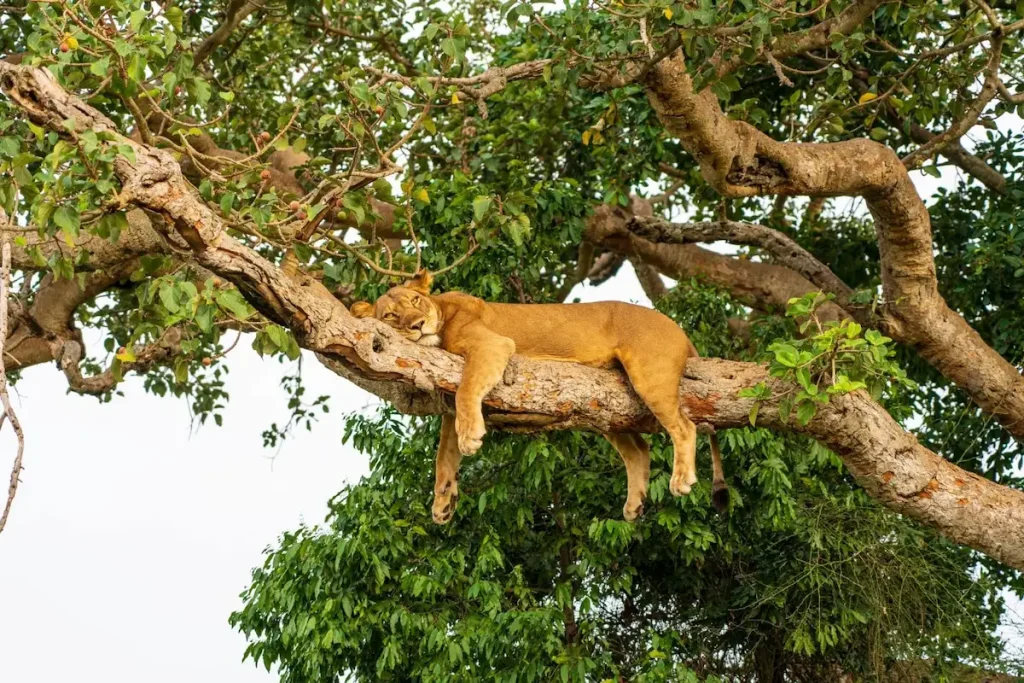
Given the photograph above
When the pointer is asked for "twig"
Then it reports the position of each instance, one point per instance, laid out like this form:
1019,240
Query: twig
5,285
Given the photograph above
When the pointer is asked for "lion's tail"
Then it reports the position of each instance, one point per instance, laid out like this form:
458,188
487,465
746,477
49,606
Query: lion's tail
719,489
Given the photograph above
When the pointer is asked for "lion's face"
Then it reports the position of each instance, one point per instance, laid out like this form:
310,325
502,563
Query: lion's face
408,309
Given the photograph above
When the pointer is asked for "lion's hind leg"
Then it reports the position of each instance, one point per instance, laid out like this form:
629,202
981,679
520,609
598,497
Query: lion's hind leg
655,375
637,458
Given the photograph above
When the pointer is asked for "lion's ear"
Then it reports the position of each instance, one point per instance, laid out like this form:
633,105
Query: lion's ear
362,309
421,281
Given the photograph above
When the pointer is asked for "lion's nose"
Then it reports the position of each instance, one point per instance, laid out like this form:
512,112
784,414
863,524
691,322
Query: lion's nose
416,325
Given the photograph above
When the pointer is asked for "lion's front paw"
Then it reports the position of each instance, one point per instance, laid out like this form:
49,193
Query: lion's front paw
633,510
470,434
445,502
681,483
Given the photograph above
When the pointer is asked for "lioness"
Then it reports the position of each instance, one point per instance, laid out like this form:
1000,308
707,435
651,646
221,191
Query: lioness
651,348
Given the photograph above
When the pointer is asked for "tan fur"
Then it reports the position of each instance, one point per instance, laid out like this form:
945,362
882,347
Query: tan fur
651,348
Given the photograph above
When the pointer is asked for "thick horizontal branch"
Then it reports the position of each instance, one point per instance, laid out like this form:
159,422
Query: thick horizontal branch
887,461
537,395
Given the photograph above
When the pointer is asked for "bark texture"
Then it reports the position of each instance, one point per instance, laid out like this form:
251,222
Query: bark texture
764,286
535,395
740,161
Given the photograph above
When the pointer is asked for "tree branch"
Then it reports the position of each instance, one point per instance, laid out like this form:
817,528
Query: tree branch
234,15
740,161
9,414
817,37
960,126
973,165
137,239
783,249
764,286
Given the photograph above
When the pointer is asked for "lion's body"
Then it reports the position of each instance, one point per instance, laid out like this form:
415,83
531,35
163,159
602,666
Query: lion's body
650,347
595,334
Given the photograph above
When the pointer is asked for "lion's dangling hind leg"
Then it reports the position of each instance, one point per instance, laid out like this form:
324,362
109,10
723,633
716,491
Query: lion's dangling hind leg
655,375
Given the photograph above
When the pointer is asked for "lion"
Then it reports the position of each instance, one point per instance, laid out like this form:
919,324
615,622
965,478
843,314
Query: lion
649,346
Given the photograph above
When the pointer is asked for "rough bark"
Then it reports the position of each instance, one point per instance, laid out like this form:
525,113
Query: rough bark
537,395
764,286
740,161
784,250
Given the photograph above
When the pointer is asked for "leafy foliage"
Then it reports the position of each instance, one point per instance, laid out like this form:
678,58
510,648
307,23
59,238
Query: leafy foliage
829,359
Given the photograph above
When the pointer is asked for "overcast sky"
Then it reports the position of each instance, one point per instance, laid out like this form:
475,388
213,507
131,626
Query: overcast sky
131,538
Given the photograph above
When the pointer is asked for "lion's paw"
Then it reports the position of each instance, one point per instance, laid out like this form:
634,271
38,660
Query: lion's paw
470,436
632,511
445,504
680,484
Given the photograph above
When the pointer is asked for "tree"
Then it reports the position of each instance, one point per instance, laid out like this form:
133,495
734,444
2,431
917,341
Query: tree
175,172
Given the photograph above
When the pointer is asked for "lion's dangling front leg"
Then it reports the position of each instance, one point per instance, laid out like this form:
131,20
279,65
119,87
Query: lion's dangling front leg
486,355
446,473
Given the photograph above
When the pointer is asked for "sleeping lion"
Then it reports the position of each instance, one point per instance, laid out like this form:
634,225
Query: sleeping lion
651,348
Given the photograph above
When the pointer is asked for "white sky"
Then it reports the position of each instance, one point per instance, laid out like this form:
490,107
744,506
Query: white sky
130,539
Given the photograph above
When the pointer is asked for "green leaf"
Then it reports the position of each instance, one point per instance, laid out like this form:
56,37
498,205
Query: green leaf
112,225
169,298
10,146
181,371
876,338
803,377
137,68
67,219
448,47
127,151
361,91
101,67
480,206
204,317
786,355
844,385
136,19
805,412
753,413
226,203
174,16
232,301
785,408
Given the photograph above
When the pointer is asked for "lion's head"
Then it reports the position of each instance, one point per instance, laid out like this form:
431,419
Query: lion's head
408,309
